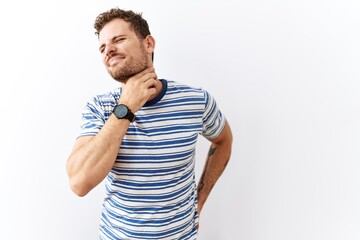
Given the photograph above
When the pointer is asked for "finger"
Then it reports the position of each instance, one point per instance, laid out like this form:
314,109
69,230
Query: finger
150,83
149,76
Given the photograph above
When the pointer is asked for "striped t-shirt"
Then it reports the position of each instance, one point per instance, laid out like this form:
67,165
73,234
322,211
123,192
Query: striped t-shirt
151,190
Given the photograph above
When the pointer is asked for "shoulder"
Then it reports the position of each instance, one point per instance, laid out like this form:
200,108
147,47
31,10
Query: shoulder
106,99
175,87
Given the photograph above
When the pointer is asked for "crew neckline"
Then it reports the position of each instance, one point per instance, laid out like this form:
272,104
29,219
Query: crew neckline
160,96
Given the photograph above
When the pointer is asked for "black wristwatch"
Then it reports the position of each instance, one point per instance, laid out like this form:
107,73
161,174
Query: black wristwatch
121,111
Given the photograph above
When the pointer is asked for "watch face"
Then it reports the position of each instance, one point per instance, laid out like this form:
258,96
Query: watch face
120,111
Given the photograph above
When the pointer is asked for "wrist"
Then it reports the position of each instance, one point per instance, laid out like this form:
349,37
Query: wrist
122,111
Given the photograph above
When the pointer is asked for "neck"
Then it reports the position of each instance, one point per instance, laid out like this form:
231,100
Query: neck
158,87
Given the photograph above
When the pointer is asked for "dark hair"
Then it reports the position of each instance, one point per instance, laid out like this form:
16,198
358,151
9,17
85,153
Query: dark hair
138,24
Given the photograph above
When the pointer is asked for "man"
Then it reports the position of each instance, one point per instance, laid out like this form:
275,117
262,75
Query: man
141,139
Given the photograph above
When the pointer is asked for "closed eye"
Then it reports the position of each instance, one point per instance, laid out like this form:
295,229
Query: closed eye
119,39
116,39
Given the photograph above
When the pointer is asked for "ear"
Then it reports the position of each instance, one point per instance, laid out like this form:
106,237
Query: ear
149,42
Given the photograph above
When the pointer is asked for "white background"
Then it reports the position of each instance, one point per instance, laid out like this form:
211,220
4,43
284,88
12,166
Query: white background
285,73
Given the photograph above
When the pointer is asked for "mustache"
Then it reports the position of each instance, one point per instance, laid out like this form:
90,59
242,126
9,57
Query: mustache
116,54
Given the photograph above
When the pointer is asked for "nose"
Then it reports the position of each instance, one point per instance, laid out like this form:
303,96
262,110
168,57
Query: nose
110,50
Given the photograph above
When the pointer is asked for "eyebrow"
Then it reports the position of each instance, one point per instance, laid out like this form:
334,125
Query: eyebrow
112,39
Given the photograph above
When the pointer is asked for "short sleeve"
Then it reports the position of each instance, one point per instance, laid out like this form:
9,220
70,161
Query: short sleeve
213,119
92,119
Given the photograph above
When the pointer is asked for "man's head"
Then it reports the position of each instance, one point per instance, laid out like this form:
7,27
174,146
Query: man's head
125,43
137,23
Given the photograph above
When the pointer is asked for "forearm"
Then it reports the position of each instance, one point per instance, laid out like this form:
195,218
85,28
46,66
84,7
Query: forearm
93,157
217,160
91,161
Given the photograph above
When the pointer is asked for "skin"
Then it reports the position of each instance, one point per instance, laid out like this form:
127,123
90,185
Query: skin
217,160
128,60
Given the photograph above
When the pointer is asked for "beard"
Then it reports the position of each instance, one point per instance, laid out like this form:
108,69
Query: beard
131,66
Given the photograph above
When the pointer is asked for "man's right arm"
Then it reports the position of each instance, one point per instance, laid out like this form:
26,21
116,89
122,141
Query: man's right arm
93,156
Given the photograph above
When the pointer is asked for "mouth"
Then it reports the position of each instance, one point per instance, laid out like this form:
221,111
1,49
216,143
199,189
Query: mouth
115,60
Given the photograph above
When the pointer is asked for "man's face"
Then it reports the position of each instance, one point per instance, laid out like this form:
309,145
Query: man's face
122,52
